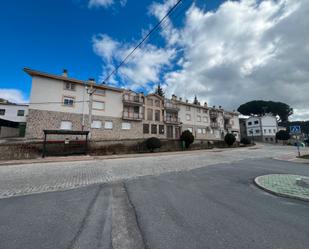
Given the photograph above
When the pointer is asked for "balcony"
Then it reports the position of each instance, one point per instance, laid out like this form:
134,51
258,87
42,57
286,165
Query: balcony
130,99
132,116
228,126
171,107
213,114
171,120
214,125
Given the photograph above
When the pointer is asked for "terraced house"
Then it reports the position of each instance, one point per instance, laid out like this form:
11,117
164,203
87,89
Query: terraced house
60,102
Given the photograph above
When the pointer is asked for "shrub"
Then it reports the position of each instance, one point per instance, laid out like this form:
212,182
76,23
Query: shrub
187,137
245,140
229,139
153,143
283,135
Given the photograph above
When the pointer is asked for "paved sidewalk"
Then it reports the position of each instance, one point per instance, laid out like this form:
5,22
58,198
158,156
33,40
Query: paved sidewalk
283,185
16,180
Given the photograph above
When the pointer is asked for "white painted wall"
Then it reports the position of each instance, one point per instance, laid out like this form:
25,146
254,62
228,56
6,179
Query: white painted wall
267,126
11,112
50,90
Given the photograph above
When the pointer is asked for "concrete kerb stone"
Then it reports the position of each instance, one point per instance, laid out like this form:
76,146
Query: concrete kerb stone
280,194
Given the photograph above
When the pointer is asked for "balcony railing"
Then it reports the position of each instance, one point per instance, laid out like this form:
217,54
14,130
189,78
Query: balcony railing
214,125
132,115
171,106
132,99
171,120
213,114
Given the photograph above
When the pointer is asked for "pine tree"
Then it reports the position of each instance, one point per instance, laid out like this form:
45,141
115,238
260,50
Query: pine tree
159,91
196,101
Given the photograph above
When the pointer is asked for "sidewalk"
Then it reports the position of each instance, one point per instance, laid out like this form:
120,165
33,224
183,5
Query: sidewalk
81,158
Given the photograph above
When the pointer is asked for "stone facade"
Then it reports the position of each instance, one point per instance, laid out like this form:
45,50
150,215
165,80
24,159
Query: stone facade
49,120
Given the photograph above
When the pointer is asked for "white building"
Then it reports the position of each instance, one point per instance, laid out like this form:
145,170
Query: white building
60,102
12,119
262,128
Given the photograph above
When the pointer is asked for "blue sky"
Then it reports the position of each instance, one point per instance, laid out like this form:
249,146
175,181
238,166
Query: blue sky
225,52
51,35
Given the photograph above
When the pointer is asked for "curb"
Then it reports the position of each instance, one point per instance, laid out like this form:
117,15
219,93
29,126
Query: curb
276,193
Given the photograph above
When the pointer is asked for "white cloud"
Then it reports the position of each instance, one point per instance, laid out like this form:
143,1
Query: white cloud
13,95
244,50
143,67
105,3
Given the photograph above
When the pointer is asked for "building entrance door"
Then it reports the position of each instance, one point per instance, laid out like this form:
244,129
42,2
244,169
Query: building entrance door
169,130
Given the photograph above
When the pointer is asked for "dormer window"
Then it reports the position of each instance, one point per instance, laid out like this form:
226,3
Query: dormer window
69,86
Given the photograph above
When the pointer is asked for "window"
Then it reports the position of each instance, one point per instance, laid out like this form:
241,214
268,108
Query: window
269,130
150,102
188,117
264,131
66,125
2,112
198,110
256,122
190,129
99,91
187,108
21,113
257,131
153,129
68,101
199,119
249,123
271,139
157,103
146,128
108,125
136,109
204,111
204,131
274,131
96,124
205,119
149,114
98,105
199,131
69,86
157,115
161,129
266,139
126,126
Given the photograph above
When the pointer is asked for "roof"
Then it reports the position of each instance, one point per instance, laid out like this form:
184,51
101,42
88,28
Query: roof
32,73
13,104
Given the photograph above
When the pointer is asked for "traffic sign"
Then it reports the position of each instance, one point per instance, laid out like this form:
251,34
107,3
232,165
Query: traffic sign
295,129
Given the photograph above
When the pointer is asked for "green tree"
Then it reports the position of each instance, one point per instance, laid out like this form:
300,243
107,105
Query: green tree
283,135
187,137
229,139
159,91
195,101
260,107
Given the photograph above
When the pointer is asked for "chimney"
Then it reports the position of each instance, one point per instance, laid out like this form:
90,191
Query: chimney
65,73
205,104
220,107
180,99
174,97
214,106
187,101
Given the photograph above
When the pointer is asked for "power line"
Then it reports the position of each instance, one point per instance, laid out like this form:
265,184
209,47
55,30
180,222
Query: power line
142,41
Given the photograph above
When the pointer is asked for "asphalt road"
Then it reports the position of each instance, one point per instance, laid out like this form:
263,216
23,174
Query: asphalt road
211,207
219,207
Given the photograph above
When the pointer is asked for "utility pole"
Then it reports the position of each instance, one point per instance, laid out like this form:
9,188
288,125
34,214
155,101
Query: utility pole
90,92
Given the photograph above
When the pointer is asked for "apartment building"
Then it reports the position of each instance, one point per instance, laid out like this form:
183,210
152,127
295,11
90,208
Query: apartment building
61,102
12,119
263,128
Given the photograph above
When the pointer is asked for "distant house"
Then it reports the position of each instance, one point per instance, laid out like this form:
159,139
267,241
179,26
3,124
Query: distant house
262,128
12,119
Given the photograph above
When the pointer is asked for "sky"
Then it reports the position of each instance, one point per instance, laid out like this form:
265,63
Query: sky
224,52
